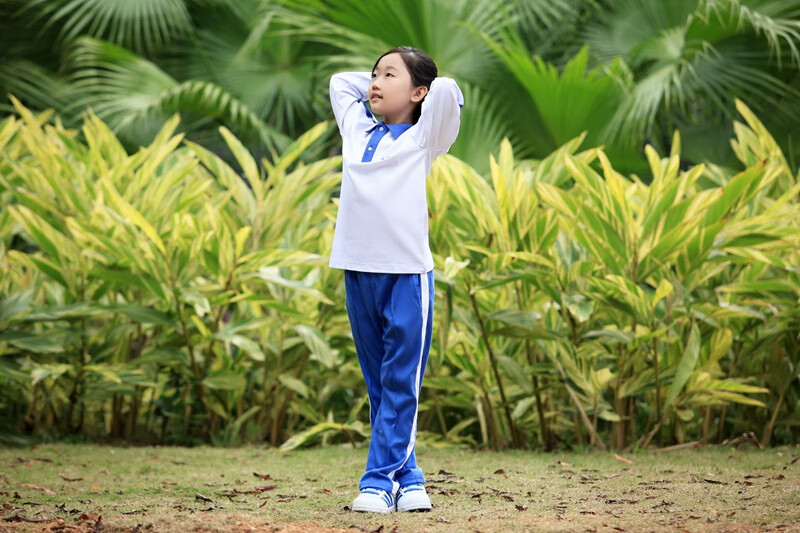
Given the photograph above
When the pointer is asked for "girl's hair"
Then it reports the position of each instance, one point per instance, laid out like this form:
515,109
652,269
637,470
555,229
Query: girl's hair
421,67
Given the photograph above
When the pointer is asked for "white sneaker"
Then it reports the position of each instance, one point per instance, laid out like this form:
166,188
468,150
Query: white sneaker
413,498
374,501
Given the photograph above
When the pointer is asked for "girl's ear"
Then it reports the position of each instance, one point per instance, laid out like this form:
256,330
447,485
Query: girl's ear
419,93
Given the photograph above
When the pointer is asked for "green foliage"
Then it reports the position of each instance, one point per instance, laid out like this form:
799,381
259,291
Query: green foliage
167,295
538,72
160,289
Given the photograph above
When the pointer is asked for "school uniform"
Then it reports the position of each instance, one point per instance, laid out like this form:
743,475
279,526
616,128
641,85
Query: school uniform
381,241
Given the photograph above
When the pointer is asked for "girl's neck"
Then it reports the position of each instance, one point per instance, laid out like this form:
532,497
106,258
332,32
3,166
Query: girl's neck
404,119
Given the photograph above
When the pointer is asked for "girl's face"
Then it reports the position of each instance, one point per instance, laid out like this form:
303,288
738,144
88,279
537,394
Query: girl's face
392,93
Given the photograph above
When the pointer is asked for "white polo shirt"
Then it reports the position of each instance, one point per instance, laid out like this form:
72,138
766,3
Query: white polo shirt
382,224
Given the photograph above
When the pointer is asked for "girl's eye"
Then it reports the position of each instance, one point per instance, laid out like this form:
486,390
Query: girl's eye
374,75
389,74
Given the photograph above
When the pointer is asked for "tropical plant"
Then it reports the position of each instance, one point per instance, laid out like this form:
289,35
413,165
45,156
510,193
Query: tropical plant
538,72
154,289
169,295
626,290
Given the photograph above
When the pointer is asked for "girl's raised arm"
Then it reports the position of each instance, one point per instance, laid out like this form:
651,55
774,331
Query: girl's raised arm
440,116
348,92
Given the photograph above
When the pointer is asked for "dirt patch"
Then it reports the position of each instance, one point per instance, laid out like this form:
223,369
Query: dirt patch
232,524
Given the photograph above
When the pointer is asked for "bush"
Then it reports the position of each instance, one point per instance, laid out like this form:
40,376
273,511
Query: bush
165,296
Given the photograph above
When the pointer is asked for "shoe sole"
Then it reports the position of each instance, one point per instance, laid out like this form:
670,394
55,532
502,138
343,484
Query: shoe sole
415,509
372,510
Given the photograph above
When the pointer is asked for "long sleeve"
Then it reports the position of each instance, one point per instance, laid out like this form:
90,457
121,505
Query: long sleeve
348,91
440,118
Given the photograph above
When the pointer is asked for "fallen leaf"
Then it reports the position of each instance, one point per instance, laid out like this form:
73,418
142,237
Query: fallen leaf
65,478
500,471
521,507
624,460
562,463
169,483
63,509
198,496
37,487
264,477
779,477
714,482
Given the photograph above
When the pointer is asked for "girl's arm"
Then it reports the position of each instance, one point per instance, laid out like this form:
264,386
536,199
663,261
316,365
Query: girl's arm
348,91
440,116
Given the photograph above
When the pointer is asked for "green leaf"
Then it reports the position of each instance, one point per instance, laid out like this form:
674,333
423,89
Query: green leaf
685,367
317,344
143,315
292,383
32,342
48,371
225,380
272,275
662,291
14,304
579,307
249,346
610,334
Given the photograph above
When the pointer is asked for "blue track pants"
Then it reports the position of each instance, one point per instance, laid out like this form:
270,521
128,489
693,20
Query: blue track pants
391,316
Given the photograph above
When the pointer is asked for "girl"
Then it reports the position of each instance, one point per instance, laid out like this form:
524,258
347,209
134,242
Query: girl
381,241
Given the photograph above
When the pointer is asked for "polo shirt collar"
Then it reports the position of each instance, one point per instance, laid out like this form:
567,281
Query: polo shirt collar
396,129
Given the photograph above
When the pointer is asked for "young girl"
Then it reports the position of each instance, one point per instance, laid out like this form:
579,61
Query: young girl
381,241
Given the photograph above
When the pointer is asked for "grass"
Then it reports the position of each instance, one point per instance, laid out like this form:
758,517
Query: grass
215,489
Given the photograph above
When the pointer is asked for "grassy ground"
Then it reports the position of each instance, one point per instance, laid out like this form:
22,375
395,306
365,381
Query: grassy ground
257,490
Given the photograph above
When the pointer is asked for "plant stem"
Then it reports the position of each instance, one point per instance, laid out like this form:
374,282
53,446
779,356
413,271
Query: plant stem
493,360
658,388
532,359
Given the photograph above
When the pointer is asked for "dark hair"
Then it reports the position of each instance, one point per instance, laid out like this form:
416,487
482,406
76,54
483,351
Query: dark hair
421,67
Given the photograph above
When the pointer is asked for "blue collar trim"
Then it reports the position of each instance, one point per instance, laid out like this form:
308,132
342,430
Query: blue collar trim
396,129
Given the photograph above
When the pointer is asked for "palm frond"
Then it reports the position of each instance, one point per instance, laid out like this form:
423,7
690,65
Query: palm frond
577,99
622,30
142,25
34,85
130,92
256,59
710,76
482,128
778,21
552,29
439,27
